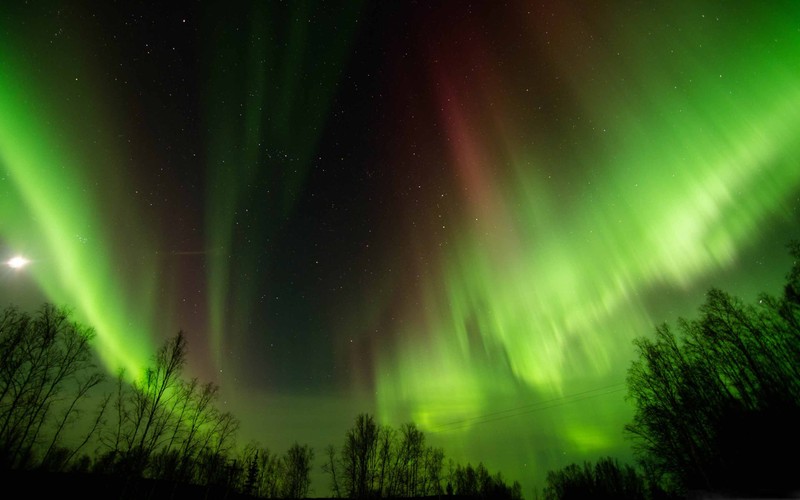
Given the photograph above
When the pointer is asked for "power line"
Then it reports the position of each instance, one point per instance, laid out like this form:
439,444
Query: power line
531,407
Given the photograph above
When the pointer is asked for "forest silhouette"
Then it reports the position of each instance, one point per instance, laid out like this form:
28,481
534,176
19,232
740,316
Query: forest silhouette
716,405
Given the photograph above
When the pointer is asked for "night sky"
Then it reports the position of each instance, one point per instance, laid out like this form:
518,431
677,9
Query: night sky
454,213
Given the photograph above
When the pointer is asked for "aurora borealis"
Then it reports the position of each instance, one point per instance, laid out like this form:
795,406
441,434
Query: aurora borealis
454,213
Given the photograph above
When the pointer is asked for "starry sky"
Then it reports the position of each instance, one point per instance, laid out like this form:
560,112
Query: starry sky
448,212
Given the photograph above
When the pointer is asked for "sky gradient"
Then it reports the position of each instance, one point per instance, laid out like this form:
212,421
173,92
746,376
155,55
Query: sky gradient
457,214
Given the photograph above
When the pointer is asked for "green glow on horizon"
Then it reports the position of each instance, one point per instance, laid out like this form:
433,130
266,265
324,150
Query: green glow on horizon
46,208
543,286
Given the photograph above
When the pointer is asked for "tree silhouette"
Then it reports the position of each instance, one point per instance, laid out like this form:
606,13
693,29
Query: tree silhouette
477,482
46,361
604,480
161,436
297,467
154,398
169,429
332,467
378,461
359,456
716,402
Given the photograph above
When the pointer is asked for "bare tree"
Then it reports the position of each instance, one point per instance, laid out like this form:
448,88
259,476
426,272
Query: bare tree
378,461
297,467
358,457
42,356
200,415
716,399
150,405
161,387
409,461
71,413
330,467
605,479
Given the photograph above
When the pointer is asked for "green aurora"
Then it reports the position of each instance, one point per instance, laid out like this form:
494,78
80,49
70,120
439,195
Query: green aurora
457,217
54,209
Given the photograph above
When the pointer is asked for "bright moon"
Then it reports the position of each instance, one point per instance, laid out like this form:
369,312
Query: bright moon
17,262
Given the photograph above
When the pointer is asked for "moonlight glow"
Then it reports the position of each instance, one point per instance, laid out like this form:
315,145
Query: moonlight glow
17,262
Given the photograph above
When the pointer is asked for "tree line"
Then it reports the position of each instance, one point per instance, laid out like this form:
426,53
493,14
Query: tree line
378,461
147,436
716,399
717,405
159,426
